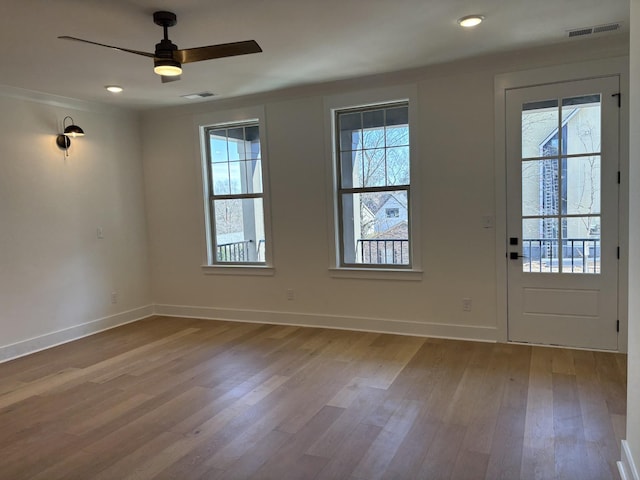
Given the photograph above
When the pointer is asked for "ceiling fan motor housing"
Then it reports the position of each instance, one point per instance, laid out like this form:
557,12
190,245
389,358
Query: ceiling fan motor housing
165,49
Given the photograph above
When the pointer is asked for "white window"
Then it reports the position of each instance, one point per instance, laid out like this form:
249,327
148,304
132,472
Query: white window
235,194
373,185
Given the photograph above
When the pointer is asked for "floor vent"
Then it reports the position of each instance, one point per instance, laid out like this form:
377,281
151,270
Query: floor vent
580,32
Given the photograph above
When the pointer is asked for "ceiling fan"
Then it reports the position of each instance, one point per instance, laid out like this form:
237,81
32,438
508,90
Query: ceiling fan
168,59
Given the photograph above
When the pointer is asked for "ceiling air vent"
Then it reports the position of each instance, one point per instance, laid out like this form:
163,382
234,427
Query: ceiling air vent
580,32
195,96
606,28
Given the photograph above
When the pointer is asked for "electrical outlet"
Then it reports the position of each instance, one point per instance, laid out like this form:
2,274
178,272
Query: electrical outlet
466,304
99,233
114,297
290,294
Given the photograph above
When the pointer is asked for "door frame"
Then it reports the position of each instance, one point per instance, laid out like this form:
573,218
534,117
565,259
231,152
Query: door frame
543,76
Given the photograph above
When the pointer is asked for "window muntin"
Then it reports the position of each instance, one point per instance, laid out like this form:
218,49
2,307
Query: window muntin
236,203
373,186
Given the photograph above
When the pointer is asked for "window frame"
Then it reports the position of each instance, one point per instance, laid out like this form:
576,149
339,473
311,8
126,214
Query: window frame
224,120
381,97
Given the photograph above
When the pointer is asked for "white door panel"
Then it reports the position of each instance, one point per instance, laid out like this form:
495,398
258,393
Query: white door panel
562,213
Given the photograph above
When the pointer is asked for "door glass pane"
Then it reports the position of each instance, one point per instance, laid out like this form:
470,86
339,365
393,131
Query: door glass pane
540,245
562,190
581,245
581,195
540,189
581,117
539,123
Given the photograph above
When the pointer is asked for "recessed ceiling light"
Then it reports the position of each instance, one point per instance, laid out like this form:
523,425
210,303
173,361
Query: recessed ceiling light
470,21
114,88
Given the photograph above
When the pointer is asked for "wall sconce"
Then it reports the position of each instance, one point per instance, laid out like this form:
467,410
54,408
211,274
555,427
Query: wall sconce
72,130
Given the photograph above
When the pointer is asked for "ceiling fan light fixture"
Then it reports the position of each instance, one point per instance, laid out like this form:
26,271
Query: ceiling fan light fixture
470,21
167,67
168,58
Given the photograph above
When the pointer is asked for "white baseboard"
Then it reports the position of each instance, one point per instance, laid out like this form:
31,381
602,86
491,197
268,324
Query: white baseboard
626,466
401,327
32,345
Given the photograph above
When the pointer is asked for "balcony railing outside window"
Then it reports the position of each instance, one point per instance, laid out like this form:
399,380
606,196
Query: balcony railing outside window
579,255
239,251
383,251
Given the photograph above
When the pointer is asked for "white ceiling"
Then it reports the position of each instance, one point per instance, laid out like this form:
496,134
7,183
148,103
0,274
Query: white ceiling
304,41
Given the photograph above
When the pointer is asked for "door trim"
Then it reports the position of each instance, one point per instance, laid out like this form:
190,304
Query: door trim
542,76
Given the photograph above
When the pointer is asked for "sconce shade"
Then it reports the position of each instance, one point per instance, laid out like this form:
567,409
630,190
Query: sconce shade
63,141
73,131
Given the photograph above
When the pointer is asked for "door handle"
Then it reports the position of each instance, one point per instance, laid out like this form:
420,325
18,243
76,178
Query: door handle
515,256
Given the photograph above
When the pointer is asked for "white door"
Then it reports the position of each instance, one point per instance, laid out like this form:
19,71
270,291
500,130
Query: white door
562,213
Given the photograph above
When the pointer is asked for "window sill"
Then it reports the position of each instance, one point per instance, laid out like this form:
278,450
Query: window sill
376,274
238,270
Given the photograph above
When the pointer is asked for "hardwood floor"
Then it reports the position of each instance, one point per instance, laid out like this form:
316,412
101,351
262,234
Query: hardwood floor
168,398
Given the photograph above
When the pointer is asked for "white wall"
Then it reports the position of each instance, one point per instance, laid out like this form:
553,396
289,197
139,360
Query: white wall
456,145
633,376
56,277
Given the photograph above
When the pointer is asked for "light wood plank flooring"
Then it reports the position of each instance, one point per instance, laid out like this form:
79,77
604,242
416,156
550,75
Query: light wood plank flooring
168,398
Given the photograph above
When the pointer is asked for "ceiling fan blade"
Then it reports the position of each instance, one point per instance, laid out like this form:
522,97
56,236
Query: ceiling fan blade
222,50
168,79
137,52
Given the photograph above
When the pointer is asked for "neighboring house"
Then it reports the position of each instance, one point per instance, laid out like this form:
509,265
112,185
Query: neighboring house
391,213
385,230
382,214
